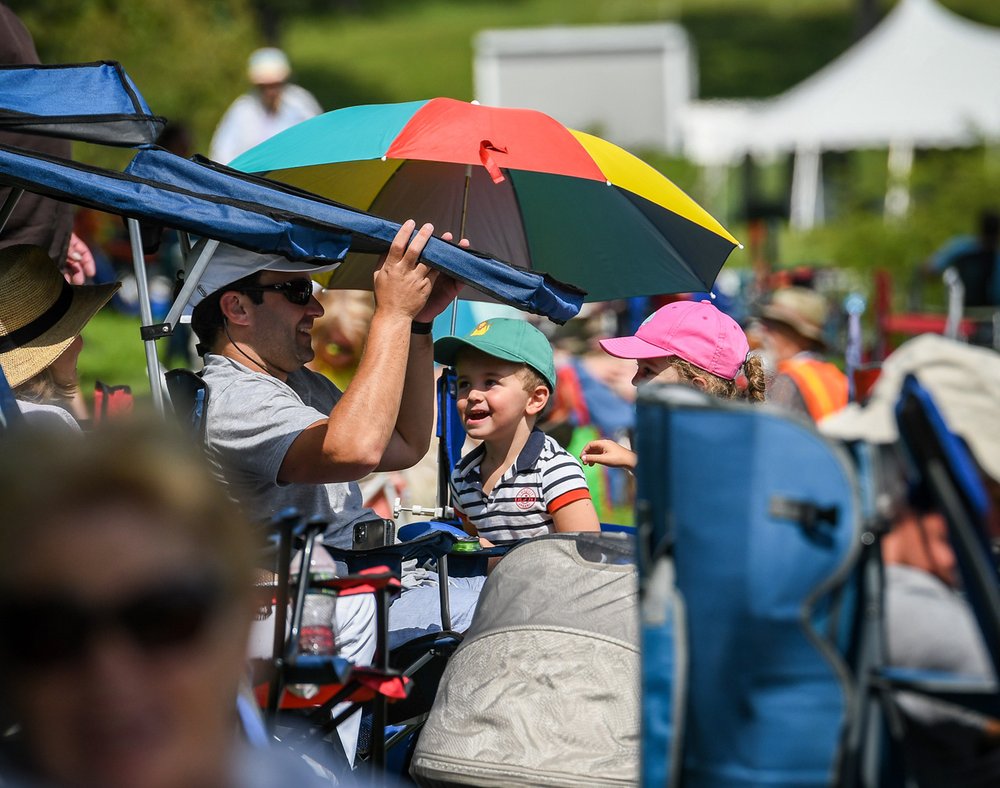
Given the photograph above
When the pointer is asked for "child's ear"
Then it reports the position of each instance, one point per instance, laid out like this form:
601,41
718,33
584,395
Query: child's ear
537,400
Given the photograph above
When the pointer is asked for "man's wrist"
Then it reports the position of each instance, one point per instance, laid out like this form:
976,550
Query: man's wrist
420,327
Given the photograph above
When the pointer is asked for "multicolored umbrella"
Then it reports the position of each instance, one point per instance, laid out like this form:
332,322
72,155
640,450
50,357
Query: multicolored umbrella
516,183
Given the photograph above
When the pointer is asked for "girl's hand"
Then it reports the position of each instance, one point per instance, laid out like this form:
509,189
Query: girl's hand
607,452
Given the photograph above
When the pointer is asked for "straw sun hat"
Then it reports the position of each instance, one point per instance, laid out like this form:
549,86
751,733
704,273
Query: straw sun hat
803,310
40,312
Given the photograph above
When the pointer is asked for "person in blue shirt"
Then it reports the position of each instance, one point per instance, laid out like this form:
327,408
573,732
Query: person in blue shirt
976,258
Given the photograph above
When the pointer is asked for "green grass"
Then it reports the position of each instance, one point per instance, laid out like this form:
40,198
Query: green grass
113,354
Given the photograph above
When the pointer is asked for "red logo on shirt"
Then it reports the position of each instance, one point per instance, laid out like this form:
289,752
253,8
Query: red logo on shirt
525,498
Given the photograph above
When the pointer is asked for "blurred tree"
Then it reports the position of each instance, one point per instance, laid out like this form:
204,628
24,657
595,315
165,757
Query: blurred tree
271,14
866,16
187,57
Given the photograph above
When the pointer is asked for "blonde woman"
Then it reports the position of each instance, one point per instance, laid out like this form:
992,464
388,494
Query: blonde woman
41,317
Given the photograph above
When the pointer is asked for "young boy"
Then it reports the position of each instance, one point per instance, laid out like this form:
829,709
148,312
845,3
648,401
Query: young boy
518,483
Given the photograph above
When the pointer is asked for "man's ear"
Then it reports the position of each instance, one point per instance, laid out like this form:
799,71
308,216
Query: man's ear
233,308
537,400
699,382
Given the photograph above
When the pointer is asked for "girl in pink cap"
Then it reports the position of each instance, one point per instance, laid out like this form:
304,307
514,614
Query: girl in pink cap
685,342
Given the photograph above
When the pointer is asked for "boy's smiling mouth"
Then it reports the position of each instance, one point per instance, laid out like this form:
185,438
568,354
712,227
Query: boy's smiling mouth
476,415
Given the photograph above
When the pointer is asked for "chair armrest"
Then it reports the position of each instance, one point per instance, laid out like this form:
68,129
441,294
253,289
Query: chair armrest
971,693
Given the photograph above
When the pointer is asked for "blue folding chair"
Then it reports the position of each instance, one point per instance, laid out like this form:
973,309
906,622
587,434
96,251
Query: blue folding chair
943,477
749,526
10,414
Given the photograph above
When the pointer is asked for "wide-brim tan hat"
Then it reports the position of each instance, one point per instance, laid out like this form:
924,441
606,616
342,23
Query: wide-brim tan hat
964,382
804,310
40,312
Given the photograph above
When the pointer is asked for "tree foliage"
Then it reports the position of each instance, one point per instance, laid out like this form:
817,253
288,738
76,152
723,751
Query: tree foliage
188,57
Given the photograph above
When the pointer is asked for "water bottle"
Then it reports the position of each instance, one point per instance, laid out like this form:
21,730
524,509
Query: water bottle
316,636
317,633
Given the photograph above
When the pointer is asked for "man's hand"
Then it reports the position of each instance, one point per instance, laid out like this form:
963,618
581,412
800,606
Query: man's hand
444,293
402,283
607,452
445,290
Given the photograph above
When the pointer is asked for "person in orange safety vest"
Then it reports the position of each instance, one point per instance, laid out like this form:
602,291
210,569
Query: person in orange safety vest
805,382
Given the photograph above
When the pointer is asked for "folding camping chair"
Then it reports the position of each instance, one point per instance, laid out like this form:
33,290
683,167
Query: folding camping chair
943,477
10,415
749,526
334,680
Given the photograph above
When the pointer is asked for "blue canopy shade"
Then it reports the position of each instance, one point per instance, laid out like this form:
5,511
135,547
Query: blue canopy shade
205,202
93,102
530,291
131,197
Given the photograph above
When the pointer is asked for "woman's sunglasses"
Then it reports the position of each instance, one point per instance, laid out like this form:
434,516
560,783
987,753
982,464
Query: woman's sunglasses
298,291
52,631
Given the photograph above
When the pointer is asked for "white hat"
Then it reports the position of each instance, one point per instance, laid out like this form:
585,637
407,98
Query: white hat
268,66
963,380
230,263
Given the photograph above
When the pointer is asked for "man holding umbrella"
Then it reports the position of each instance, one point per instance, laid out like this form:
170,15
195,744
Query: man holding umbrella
281,435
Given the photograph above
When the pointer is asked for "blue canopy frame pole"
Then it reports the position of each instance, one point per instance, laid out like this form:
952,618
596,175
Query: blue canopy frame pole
8,206
191,280
254,215
146,315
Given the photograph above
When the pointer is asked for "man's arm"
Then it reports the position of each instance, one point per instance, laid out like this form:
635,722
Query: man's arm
415,423
412,434
352,440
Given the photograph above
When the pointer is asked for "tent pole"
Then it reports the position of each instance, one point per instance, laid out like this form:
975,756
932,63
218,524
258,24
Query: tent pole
897,193
146,315
807,179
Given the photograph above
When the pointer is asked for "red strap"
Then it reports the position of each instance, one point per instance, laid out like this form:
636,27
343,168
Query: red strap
489,162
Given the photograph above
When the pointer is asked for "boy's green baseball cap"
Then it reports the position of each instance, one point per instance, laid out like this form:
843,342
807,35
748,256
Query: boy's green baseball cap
506,338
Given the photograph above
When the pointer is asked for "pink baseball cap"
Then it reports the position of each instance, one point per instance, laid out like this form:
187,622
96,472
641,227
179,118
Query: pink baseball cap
692,330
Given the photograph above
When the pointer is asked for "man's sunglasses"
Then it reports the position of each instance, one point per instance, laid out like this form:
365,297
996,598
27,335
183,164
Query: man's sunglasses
298,291
53,631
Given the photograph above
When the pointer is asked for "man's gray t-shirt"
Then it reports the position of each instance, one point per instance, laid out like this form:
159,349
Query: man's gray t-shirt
251,421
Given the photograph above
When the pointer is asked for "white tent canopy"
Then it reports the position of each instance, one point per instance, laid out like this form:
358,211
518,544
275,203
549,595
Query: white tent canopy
924,77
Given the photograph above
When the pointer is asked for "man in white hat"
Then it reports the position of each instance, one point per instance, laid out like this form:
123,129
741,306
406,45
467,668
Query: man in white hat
273,105
929,624
281,435
794,321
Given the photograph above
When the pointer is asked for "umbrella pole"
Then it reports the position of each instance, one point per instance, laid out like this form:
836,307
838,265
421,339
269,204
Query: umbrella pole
444,463
461,235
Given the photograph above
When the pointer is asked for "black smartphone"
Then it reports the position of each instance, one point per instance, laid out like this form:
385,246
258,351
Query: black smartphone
374,533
